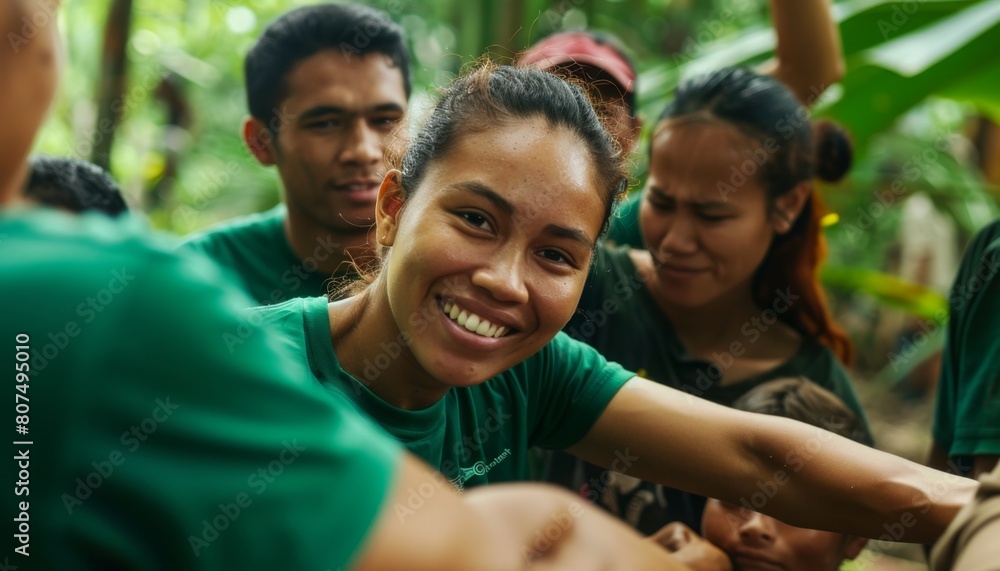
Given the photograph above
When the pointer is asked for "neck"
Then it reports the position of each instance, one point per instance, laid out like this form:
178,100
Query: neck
366,337
713,326
329,248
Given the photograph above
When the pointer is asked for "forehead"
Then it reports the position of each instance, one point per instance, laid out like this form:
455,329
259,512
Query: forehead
707,160
351,82
545,172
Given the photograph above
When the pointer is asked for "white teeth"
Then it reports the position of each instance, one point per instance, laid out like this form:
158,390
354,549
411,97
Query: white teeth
484,326
473,322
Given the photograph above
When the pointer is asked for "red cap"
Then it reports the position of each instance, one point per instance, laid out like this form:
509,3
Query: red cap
578,47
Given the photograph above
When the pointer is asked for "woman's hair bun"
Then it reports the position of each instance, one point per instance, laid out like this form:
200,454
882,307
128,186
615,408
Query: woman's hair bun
834,151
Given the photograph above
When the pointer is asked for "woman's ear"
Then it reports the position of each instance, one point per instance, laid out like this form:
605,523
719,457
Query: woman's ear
388,207
259,140
788,207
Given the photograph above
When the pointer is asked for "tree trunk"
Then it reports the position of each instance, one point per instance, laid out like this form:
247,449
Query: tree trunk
111,95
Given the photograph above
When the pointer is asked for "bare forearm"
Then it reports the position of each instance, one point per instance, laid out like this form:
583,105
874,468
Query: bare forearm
835,483
808,54
793,471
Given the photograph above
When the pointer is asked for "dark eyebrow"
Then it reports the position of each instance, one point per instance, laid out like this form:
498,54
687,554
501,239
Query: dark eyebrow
700,205
502,203
570,233
486,192
323,110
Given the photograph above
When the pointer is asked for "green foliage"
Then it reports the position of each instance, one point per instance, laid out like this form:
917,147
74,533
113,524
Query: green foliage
908,63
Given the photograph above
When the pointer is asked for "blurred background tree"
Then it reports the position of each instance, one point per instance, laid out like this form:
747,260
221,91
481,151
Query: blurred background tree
153,90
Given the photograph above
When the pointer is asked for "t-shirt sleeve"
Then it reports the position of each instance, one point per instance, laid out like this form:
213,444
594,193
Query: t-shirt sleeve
572,384
968,407
233,455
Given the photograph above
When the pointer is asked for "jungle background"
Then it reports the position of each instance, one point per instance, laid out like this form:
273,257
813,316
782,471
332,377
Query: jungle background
153,92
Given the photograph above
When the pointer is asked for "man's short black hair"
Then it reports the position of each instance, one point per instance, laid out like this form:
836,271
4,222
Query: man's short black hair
350,29
73,184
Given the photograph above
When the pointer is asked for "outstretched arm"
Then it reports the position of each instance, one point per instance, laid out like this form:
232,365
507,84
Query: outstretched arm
502,527
808,56
798,473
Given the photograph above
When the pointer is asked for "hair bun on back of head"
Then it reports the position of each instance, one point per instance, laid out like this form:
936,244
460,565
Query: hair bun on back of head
834,151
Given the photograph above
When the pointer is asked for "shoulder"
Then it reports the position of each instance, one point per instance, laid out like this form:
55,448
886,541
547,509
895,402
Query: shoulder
263,225
292,316
817,360
74,250
983,250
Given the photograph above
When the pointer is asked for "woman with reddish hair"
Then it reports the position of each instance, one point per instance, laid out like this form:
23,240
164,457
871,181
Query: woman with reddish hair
725,297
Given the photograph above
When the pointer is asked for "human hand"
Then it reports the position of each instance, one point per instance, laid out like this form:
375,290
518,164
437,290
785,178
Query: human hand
690,548
556,530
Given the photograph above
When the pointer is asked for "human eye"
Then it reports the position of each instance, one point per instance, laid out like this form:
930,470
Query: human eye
659,203
475,219
712,218
324,124
385,122
554,256
561,259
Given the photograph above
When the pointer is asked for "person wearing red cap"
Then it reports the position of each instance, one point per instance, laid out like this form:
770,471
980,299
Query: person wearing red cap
599,62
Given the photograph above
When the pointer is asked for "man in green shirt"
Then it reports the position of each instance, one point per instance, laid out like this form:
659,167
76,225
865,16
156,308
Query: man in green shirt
327,87
967,410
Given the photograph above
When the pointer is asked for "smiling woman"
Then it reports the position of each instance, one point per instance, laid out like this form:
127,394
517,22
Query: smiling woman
455,347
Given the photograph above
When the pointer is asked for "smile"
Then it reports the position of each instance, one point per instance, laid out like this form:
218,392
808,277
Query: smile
472,322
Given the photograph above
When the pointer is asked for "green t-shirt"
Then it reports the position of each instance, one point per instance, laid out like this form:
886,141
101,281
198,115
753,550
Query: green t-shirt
255,249
618,316
154,443
967,411
625,230
473,435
